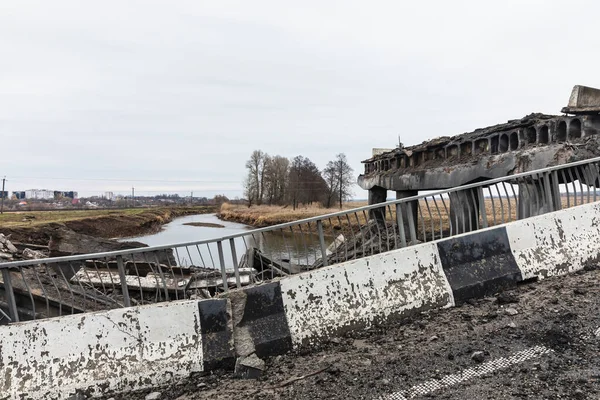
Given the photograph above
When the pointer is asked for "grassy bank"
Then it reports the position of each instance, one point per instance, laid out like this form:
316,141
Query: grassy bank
36,226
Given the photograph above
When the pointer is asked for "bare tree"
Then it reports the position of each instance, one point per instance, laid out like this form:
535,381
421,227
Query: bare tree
275,176
254,183
339,178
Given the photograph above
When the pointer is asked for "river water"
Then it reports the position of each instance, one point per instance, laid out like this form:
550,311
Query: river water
278,246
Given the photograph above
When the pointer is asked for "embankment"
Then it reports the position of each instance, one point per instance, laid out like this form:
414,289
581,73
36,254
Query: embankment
38,227
263,215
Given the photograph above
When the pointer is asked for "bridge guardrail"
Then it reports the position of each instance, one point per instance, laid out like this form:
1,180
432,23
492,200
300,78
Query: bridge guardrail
57,286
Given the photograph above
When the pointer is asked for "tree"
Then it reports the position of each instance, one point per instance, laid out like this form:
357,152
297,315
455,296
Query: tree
305,183
339,179
275,176
254,182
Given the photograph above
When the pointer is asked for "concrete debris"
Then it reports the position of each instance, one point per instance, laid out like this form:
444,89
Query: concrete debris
511,311
249,367
478,356
153,396
33,254
10,252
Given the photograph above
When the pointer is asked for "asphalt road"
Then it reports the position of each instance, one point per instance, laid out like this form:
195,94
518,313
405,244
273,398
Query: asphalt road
540,340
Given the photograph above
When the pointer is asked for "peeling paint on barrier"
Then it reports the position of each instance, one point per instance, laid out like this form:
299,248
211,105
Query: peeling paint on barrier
98,353
357,293
556,243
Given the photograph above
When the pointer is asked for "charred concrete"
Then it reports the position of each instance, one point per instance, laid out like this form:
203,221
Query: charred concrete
533,142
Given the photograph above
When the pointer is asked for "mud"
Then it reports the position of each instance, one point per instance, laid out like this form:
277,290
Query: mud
561,313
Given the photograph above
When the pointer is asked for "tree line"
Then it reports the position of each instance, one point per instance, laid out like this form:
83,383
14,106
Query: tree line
279,180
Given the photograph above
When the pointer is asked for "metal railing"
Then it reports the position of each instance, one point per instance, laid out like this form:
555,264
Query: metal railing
57,286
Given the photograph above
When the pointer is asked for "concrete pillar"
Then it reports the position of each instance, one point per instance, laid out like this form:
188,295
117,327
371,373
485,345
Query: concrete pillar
538,196
409,231
377,195
464,210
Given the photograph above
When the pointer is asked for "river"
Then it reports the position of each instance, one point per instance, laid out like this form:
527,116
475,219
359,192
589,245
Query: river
278,246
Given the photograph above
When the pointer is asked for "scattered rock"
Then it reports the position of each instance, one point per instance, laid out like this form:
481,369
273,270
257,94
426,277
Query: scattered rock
249,367
512,325
579,292
431,339
153,396
506,298
33,254
511,311
478,356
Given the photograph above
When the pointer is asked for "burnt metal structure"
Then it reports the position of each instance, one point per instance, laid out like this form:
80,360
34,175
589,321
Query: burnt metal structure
534,142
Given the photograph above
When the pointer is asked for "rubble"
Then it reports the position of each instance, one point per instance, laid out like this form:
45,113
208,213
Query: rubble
249,367
10,252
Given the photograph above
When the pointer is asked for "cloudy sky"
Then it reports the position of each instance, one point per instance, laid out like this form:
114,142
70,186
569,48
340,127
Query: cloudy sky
174,95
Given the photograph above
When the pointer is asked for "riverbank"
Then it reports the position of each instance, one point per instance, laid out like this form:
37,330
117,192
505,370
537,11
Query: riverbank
263,215
36,227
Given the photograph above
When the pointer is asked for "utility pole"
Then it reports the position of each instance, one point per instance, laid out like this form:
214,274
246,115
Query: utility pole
133,196
2,195
192,198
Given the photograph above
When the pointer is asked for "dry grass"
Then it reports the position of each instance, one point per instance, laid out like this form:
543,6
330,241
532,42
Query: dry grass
22,219
264,215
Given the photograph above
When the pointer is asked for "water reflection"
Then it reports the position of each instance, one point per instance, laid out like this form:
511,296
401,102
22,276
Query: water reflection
280,245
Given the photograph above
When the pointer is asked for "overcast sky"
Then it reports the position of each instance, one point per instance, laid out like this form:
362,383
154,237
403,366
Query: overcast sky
175,95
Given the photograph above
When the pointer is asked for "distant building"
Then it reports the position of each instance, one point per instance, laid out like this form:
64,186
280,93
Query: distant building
69,194
3,195
109,196
39,194
19,195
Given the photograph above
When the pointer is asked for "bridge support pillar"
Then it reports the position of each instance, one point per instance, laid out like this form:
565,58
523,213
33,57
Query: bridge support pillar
538,196
410,221
464,210
377,195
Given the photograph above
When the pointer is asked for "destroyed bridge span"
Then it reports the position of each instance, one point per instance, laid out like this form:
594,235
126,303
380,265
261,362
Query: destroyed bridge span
245,299
533,142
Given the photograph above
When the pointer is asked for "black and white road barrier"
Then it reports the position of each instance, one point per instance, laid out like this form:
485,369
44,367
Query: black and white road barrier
139,347
356,294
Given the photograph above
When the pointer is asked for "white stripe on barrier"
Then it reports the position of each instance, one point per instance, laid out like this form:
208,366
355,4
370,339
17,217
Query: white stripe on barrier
556,243
318,303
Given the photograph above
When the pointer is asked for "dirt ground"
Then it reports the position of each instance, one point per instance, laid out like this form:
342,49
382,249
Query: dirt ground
559,315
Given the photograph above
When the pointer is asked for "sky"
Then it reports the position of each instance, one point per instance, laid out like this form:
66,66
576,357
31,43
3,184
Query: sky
173,96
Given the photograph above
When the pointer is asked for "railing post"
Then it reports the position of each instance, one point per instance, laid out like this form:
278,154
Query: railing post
400,221
10,296
236,268
222,262
322,242
162,276
123,279
556,191
411,223
484,221
548,189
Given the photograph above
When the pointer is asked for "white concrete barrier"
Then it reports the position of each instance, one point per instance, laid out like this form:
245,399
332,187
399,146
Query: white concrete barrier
556,243
100,353
357,293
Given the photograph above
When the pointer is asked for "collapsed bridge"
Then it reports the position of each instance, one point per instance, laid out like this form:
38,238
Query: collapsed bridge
531,143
